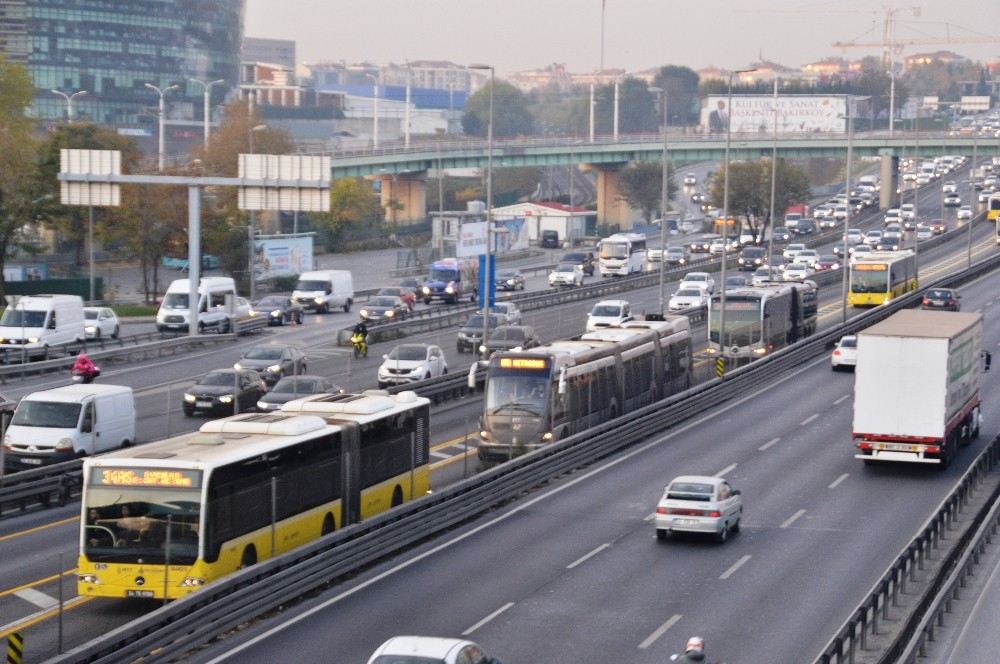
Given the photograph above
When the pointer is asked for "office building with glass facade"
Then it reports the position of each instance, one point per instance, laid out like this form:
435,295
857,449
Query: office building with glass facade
113,48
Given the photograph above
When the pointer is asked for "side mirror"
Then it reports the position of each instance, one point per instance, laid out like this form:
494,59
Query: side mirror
737,492
52,324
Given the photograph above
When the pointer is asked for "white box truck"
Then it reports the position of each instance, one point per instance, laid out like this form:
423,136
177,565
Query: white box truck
916,386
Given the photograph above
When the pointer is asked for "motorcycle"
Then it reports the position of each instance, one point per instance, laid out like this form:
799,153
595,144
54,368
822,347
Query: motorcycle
85,377
360,343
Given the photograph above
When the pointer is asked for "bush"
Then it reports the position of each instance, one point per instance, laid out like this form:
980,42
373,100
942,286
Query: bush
284,283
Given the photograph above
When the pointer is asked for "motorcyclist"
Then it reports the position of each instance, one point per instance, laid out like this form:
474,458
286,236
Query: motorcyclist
85,368
359,337
694,651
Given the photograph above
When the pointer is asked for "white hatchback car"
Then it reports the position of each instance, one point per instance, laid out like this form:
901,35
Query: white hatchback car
798,271
566,274
608,313
685,298
702,280
430,650
100,323
845,355
409,363
699,504
964,212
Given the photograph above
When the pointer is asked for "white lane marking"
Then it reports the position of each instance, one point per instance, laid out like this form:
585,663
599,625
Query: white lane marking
792,519
440,455
834,484
659,631
722,473
735,566
39,599
585,557
769,444
840,400
41,614
488,618
809,419
406,564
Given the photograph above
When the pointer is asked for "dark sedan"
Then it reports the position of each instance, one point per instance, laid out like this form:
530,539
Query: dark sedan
507,337
942,299
828,262
383,308
510,280
407,295
215,392
581,258
412,283
273,362
278,309
781,235
295,387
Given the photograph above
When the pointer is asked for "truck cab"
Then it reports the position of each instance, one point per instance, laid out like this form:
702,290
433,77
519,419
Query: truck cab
445,282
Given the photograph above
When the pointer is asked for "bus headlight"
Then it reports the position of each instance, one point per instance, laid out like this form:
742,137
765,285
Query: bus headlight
759,351
547,436
485,435
189,398
192,582
88,578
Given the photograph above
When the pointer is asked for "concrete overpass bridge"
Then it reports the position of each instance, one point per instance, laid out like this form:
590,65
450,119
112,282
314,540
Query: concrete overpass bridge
403,170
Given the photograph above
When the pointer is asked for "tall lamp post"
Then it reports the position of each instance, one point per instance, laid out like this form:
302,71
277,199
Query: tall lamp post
161,115
487,283
725,211
207,87
972,201
69,102
375,80
251,251
774,178
847,208
664,191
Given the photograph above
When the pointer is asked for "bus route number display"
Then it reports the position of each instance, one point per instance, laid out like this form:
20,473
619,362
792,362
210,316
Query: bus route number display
146,477
870,267
524,363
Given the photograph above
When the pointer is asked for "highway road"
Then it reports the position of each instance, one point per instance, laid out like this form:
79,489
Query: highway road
33,555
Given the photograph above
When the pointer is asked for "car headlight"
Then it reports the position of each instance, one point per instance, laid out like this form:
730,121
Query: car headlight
90,329
426,290
390,314
252,313
226,398
64,444
33,340
364,313
510,282
274,368
449,289
276,313
318,300
482,348
189,398
237,366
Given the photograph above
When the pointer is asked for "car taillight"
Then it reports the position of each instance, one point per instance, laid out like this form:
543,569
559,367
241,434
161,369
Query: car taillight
662,510
837,352
926,301
864,446
714,514
951,303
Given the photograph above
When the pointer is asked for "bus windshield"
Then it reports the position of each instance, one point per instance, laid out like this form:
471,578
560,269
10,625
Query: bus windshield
870,280
129,525
14,317
517,392
743,322
614,250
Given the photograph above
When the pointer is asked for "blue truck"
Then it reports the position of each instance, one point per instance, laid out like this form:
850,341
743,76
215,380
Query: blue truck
449,280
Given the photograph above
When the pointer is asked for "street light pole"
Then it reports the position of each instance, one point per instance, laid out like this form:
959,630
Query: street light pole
208,96
774,177
69,102
615,131
485,278
591,112
972,201
847,208
251,251
725,212
664,192
162,115
375,80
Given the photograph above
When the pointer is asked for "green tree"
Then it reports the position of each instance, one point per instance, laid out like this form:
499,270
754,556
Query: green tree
750,191
353,205
637,111
510,112
641,184
681,84
19,191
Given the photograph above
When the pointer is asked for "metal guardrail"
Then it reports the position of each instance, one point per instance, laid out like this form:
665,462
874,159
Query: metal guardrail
45,484
188,622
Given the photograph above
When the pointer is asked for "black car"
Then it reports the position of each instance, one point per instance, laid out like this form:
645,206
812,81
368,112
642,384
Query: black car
943,299
752,258
279,310
549,240
781,235
507,337
295,387
510,280
273,362
581,258
412,283
215,392
470,335
383,308
805,227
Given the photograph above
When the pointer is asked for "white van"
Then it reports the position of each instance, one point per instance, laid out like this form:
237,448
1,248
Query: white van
66,422
212,313
324,290
37,322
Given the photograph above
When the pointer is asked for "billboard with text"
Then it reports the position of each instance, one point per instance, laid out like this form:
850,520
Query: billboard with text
796,114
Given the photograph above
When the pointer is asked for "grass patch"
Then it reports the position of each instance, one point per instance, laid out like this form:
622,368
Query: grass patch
130,310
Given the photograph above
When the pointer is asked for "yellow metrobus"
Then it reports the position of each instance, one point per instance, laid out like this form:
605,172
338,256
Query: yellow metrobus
164,519
993,207
880,276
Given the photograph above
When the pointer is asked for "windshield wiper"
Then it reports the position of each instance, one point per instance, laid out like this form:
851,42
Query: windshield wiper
516,405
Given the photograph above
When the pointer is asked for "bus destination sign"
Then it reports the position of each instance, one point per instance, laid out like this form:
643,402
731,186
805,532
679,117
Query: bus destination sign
167,478
524,363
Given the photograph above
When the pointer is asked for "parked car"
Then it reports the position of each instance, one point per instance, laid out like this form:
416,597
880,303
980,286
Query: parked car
608,313
279,309
215,392
508,309
290,388
845,354
584,258
566,274
430,650
677,256
470,335
699,504
100,322
383,308
944,299
701,280
409,363
408,296
685,298
507,337
510,280
273,362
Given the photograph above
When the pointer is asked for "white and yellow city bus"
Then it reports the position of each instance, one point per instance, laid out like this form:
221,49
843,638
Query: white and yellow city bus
166,518
881,276
993,207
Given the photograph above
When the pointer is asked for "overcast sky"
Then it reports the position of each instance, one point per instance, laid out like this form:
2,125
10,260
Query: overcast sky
525,34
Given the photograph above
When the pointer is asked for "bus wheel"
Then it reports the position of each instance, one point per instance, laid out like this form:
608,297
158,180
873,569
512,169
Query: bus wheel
397,497
328,525
249,557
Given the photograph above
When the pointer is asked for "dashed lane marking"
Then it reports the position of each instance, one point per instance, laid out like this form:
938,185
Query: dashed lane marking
488,618
769,444
792,519
659,631
735,567
834,484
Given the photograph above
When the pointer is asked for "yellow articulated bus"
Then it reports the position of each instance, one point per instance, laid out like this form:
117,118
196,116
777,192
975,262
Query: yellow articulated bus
881,276
166,518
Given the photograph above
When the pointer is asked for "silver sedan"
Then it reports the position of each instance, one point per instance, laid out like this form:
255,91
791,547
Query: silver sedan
699,504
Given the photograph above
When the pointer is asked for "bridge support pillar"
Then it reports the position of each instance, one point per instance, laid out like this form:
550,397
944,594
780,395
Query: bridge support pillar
889,175
404,198
611,206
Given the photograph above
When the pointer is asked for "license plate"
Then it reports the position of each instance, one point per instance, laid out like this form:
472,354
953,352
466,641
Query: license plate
898,447
139,593
203,404
33,462
687,522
